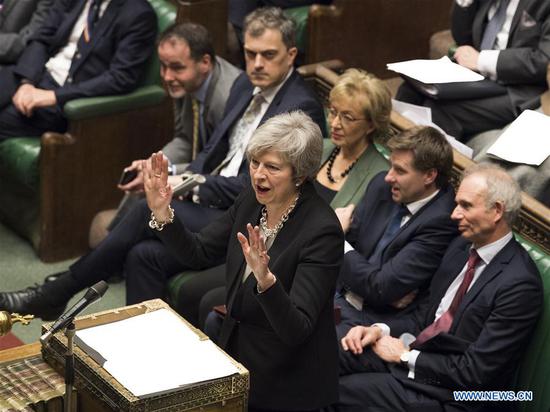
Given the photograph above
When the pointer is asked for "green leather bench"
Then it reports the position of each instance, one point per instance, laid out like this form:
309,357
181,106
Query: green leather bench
533,374
53,185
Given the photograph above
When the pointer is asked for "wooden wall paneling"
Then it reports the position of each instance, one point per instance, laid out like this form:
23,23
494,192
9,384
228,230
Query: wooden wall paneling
371,33
212,14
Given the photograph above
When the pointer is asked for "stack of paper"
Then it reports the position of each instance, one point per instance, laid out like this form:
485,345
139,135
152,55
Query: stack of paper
526,141
435,71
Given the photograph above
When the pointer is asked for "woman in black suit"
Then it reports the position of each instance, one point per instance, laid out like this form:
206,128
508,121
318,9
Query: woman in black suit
281,277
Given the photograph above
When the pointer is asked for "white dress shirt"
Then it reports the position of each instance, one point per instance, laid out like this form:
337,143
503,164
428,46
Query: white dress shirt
60,64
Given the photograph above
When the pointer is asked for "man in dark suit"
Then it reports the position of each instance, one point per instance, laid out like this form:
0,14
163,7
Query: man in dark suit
484,302
271,86
199,83
86,48
507,41
400,231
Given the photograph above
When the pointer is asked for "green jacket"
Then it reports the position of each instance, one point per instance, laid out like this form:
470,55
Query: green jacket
369,165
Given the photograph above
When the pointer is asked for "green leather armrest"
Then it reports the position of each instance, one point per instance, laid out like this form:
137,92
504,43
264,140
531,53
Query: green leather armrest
300,15
96,106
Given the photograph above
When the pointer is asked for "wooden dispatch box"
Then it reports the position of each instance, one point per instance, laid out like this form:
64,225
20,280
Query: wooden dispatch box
99,391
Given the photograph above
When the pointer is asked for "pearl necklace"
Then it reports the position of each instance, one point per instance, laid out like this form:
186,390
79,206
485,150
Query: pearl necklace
273,232
331,163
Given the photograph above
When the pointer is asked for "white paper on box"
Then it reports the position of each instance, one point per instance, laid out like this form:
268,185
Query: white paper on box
156,352
441,70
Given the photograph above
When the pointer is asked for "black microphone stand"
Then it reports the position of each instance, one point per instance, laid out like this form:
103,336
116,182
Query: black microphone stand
69,368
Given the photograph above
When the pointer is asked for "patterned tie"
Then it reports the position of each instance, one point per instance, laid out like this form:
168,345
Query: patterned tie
494,26
196,121
91,20
393,226
242,128
443,323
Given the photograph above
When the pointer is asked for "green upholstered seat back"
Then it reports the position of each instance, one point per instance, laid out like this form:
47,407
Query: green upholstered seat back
534,370
166,15
300,15
19,194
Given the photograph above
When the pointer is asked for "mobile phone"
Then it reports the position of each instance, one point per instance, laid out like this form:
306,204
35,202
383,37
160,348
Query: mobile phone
127,176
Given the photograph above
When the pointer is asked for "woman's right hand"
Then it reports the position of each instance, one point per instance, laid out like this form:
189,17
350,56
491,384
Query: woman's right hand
155,182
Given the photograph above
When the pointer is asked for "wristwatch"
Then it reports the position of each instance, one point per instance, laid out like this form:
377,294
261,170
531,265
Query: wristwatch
404,358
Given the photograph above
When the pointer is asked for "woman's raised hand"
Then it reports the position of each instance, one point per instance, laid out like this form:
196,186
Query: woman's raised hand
255,253
155,182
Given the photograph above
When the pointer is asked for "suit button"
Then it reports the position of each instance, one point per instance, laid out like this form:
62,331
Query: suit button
69,79
77,56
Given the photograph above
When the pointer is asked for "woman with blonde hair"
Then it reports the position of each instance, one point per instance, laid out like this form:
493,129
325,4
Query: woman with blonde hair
358,116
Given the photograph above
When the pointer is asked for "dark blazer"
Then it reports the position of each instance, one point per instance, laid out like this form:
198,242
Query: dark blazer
409,260
489,331
284,336
295,94
522,65
112,63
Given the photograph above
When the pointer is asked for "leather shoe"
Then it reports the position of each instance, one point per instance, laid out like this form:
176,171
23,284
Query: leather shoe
30,301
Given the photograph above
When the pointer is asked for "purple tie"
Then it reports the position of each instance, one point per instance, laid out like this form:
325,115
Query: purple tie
443,323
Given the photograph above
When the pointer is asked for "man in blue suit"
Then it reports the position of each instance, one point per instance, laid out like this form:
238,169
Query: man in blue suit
399,232
270,86
86,48
484,301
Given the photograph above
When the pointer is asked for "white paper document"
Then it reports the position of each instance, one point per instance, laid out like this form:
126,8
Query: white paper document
526,140
155,352
422,115
442,70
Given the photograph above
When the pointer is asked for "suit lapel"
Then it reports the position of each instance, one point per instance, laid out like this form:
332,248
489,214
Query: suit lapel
100,28
69,21
522,5
238,265
272,109
403,229
480,22
495,267
369,235
209,95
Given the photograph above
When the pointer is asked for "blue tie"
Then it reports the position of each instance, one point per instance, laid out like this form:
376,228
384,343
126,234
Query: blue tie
393,226
494,26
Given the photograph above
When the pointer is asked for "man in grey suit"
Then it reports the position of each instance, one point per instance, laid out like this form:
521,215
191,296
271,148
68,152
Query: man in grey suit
199,82
508,41
19,19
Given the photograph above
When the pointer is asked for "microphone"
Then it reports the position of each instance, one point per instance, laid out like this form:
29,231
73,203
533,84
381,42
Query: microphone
93,294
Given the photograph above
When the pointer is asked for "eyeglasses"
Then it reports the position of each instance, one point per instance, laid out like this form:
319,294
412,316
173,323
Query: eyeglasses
345,119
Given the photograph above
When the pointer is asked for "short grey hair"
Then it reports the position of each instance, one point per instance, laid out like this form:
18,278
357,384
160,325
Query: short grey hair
295,137
271,18
500,187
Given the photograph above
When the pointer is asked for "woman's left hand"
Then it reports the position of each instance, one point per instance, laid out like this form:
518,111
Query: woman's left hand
255,253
